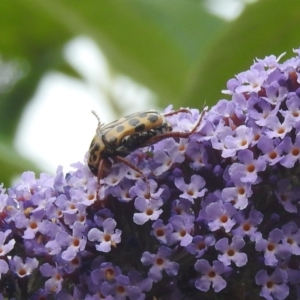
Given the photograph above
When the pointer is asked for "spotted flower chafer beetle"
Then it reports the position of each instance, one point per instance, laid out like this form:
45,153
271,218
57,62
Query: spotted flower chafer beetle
116,140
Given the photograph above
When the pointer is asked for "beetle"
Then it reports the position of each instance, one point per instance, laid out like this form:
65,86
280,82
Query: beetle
116,140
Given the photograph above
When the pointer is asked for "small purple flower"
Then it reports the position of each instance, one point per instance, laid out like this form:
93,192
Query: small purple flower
81,196
116,174
73,243
247,169
216,133
231,252
274,285
197,154
147,190
108,237
182,207
291,237
272,153
293,106
162,232
184,122
121,289
292,151
277,129
23,269
251,81
53,247
218,139
149,210
42,201
219,215
182,228
66,205
104,271
275,93
270,62
167,159
272,247
211,275
200,244
102,215
159,263
54,284
261,110
248,226
28,184
6,248
241,139
237,195
122,191
80,216
137,159
33,224
178,149
3,267
137,279
193,190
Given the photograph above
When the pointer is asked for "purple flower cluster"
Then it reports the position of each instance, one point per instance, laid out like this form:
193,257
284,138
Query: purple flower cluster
216,216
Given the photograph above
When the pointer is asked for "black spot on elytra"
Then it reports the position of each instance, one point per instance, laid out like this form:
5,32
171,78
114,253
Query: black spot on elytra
152,118
140,127
133,122
112,140
120,128
94,149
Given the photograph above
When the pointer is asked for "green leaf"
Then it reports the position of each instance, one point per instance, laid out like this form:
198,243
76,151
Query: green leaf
266,27
154,42
33,39
30,36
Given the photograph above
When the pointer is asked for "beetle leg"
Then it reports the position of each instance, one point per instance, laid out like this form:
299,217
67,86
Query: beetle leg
99,175
133,167
129,164
197,123
100,170
162,136
176,112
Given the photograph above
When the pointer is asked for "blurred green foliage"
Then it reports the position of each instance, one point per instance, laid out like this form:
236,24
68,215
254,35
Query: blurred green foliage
175,48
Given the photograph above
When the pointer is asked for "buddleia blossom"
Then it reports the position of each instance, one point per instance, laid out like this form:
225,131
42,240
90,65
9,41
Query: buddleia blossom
211,216
272,247
231,253
54,284
108,237
200,244
149,210
160,262
273,286
211,275
193,190
22,269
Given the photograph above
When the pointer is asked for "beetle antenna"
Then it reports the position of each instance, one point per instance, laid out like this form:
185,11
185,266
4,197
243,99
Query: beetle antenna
95,114
99,122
